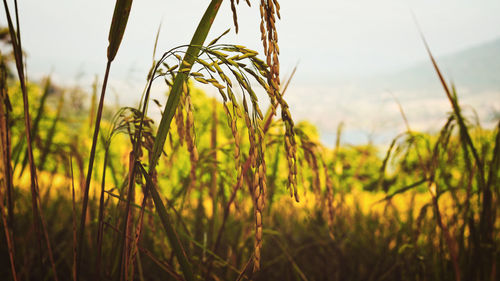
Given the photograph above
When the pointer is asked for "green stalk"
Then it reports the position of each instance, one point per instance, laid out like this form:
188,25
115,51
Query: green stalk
461,122
213,175
6,167
118,25
5,109
100,221
173,100
169,230
36,123
9,239
485,224
50,135
81,230
495,162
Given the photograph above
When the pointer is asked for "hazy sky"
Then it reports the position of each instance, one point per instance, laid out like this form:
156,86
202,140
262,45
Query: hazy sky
330,39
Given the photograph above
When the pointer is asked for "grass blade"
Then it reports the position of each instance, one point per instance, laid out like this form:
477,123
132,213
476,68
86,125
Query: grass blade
51,133
166,221
36,122
456,109
173,99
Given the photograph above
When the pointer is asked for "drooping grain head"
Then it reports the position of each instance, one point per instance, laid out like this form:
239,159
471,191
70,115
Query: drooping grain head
269,36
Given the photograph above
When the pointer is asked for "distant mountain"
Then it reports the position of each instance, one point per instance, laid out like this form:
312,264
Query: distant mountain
474,70
367,105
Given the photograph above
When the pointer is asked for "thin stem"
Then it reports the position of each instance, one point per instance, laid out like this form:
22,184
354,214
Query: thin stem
89,171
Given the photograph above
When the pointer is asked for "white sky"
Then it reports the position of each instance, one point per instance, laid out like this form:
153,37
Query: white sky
330,39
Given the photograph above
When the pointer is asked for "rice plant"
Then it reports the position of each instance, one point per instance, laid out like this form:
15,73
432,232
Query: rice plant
222,189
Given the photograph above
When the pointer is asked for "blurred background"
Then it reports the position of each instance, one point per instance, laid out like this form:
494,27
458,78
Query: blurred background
354,58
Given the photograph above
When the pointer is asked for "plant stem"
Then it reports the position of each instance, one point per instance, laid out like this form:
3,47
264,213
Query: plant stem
81,231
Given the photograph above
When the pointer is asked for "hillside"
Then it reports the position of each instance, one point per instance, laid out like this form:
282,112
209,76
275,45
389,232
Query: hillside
367,104
474,70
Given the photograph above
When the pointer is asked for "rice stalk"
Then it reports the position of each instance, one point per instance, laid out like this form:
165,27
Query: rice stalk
128,221
386,159
402,190
179,120
146,141
495,163
199,231
93,102
38,220
36,123
73,267
231,119
5,140
166,221
434,191
8,233
458,113
20,71
117,29
291,260
149,140
485,227
50,135
47,240
100,219
213,174
486,222
86,187
191,146
119,123
175,93
162,264
164,127
489,215
134,254
329,198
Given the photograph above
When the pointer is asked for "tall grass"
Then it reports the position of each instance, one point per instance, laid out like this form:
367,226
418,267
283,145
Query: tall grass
199,196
